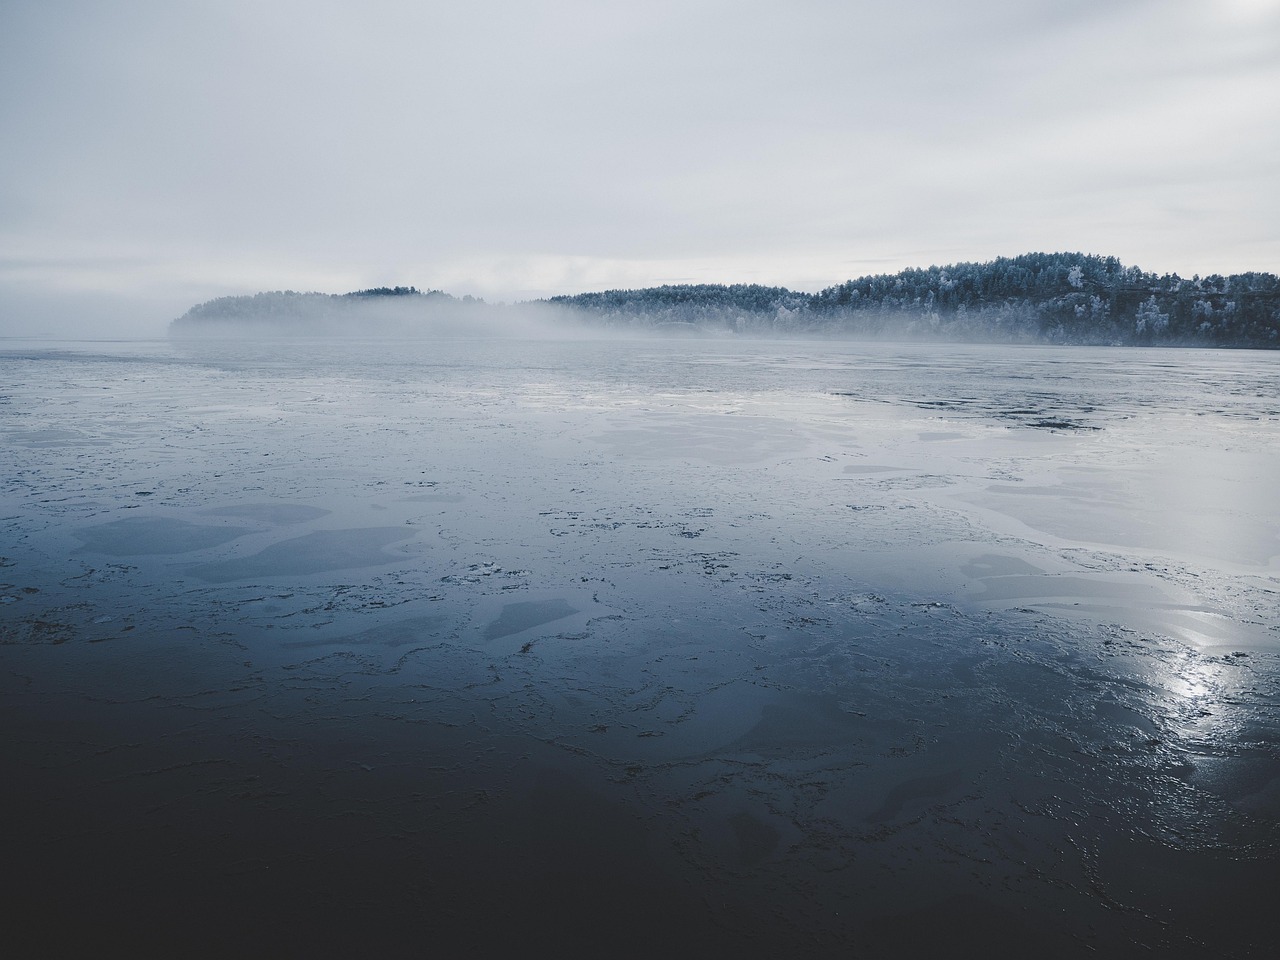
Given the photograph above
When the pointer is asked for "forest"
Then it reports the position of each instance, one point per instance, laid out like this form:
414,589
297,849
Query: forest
1067,298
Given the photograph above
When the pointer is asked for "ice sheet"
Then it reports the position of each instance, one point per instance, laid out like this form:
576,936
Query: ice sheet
757,644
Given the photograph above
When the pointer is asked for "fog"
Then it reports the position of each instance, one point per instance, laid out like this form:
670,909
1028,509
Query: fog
377,318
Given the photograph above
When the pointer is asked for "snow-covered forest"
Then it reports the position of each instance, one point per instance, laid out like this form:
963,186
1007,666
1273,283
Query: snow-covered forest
1036,298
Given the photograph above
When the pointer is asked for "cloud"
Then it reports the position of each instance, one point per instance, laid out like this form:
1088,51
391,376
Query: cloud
508,146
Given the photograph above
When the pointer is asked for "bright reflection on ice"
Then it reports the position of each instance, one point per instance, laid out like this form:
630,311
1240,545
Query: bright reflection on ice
1191,679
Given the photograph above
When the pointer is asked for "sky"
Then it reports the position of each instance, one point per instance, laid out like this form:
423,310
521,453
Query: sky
154,155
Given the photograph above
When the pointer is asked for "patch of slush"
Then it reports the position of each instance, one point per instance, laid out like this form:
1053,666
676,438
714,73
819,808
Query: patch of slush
273,513
525,615
320,552
143,536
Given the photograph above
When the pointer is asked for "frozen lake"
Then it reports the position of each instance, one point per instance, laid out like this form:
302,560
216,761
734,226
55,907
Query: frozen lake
807,649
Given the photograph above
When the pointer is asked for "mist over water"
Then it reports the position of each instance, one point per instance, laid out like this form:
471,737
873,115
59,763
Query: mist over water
425,317
774,648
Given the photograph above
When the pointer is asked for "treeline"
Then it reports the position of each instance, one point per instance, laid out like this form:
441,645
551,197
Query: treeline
694,308
1068,298
1036,297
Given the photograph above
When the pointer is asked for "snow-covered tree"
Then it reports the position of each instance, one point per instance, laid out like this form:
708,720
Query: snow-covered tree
1150,318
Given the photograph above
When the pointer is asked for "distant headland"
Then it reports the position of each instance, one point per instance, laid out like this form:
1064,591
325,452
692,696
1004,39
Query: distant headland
1067,298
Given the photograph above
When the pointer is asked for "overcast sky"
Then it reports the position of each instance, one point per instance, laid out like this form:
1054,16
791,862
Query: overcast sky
158,154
